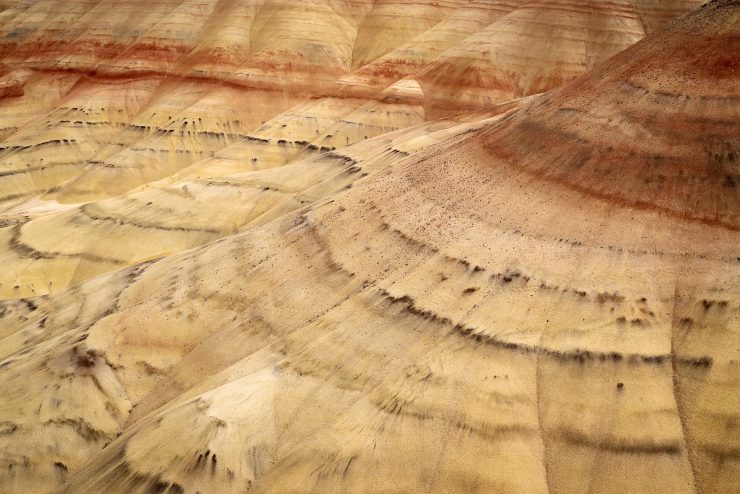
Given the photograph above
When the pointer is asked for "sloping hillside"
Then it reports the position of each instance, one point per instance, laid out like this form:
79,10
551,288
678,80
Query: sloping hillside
527,295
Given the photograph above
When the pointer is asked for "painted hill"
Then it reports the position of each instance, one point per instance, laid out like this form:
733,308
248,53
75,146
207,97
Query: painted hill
107,100
528,295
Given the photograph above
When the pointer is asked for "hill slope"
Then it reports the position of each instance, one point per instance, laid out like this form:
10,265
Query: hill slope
537,297
109,99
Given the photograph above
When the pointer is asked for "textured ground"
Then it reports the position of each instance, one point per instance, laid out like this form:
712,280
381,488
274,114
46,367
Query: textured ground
356,246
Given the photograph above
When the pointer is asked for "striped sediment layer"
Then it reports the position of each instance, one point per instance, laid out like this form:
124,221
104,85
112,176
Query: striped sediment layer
102,101
541,298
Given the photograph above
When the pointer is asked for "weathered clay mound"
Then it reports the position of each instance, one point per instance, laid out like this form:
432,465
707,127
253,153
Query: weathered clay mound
540,295
655,127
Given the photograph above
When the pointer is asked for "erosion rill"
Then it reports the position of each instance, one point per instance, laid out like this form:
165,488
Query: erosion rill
369,246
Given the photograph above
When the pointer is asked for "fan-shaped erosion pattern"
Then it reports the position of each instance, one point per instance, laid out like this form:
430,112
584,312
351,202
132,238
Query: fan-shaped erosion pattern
283,255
